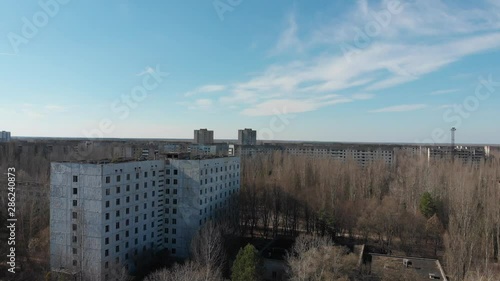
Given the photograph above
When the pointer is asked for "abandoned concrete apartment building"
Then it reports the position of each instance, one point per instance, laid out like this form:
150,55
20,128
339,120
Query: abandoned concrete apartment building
108,214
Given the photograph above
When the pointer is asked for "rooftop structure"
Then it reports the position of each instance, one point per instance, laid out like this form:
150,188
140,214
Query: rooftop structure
421,269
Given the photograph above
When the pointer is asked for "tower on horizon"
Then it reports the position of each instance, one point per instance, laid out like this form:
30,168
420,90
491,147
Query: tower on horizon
203,136
247,137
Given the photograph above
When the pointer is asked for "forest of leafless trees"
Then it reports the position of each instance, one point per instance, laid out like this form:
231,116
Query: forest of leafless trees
457,221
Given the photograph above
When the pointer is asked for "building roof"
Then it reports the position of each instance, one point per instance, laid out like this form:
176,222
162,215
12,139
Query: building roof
424,268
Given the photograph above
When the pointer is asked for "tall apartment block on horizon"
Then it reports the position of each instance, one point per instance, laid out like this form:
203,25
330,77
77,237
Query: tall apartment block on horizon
104,215
5,136
247,137
203,136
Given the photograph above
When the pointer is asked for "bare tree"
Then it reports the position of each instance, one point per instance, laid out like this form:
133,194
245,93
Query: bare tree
190,271
207,248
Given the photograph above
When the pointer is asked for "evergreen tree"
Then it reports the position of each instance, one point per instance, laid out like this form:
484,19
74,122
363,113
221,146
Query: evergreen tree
427,205
247,264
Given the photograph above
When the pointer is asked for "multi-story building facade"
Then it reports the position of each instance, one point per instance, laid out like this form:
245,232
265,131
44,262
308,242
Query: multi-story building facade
364,154
109,215
203,136
5,136
247,137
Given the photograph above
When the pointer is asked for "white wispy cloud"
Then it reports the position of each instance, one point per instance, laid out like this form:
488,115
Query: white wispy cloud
206,89
400,108
444,106
288,106
443,92
362,96
201,104
408,48
289,38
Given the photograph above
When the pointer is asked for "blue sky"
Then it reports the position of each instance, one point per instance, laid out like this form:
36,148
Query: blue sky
368,71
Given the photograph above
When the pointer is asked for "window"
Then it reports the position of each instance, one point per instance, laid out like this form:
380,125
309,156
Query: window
168,171
117,226
174,211
106,265
136,175
175,171
75,190
75,215
173,251
174,231
74,239
118,213
145,174
117,237
107,204
106,241
168,182
128,176
127,200
75,203
128,188
106,253
108,179
175,201
74,251
118,178
174,221
175,181
74,227
74,263
75,178
175,190
174,241
117,189
117,201
127,211
107,228
108,192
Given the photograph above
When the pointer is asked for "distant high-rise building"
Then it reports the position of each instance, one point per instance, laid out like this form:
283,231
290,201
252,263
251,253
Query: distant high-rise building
247,137
203,136
4,136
